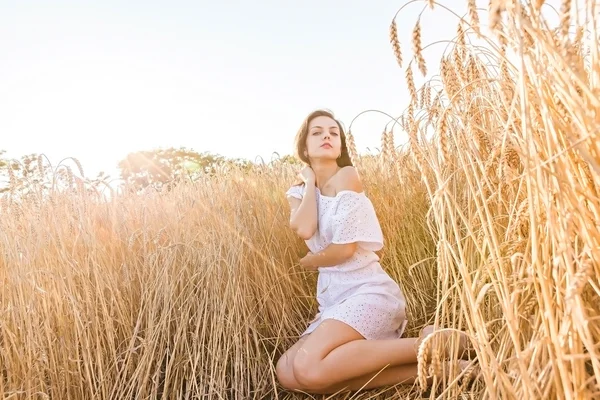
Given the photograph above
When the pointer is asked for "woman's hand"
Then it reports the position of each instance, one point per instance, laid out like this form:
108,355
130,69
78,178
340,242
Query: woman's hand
307,261
331,256
307,175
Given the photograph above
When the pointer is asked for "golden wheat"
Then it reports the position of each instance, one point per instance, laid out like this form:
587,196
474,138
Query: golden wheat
416,42
410,84
351,145
395,42
495,10
565,18
195,292
473,15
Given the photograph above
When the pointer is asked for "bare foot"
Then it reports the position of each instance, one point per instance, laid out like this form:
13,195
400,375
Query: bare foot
470,369
468,372
464,350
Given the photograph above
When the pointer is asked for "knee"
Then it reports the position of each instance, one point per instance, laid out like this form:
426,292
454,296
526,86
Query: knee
285,374
308,375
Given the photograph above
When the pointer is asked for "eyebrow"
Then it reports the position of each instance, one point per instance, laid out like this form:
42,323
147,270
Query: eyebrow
320,127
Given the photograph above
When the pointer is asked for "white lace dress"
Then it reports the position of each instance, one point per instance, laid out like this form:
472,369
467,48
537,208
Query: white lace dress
358,292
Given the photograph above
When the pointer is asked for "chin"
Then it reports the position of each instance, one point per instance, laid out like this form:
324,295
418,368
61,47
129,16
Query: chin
328,153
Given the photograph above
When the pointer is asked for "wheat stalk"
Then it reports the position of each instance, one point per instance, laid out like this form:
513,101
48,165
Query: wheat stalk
442,134
495,17
427,96
351,147
460,44
565,18
416,42
473,15
195,292
537,4
395,42
410,83
422,360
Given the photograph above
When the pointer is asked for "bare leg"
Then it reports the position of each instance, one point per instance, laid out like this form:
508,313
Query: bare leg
336,356
389,376
284,368
401,374
335,353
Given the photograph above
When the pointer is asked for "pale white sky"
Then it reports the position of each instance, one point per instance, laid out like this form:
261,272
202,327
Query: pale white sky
96,80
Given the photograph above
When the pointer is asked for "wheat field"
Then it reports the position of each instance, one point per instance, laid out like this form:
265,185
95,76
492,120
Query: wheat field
490,214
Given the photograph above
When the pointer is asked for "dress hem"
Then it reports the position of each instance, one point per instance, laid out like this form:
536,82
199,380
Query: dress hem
315,324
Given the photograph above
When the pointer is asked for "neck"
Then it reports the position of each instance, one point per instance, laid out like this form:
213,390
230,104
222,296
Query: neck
324,170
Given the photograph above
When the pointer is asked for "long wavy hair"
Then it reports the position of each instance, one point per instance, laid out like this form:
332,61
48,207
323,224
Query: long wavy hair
300,140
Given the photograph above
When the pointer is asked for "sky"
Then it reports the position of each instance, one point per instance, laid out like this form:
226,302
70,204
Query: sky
98,80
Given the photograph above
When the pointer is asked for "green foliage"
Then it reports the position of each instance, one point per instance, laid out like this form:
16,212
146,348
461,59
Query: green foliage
166,167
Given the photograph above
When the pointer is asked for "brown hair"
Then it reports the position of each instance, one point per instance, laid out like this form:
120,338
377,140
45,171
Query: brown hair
302,134
300,140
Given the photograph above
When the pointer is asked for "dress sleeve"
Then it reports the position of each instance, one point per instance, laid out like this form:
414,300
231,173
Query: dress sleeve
296,191
355,220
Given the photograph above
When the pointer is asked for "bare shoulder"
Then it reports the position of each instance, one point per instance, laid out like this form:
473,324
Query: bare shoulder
348,178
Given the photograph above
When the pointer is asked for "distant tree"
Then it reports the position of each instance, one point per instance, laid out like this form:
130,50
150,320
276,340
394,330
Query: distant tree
167,167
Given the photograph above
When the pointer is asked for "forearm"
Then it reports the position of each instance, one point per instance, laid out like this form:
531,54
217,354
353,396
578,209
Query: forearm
304,220
332,255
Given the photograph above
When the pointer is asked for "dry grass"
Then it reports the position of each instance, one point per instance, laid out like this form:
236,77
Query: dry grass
191,292
491,227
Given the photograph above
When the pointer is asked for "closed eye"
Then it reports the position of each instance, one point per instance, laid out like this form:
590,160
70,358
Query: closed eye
319,132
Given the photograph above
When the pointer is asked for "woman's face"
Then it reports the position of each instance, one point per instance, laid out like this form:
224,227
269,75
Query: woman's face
323,140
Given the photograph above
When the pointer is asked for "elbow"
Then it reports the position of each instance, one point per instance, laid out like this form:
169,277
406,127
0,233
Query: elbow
348,250
305,232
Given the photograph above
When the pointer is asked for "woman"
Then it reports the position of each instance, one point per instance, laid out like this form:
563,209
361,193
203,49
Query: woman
357,331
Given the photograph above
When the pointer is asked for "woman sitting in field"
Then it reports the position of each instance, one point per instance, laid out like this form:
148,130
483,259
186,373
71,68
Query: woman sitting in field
357,331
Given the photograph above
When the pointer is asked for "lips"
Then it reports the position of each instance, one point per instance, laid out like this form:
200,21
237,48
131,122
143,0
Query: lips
327,146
